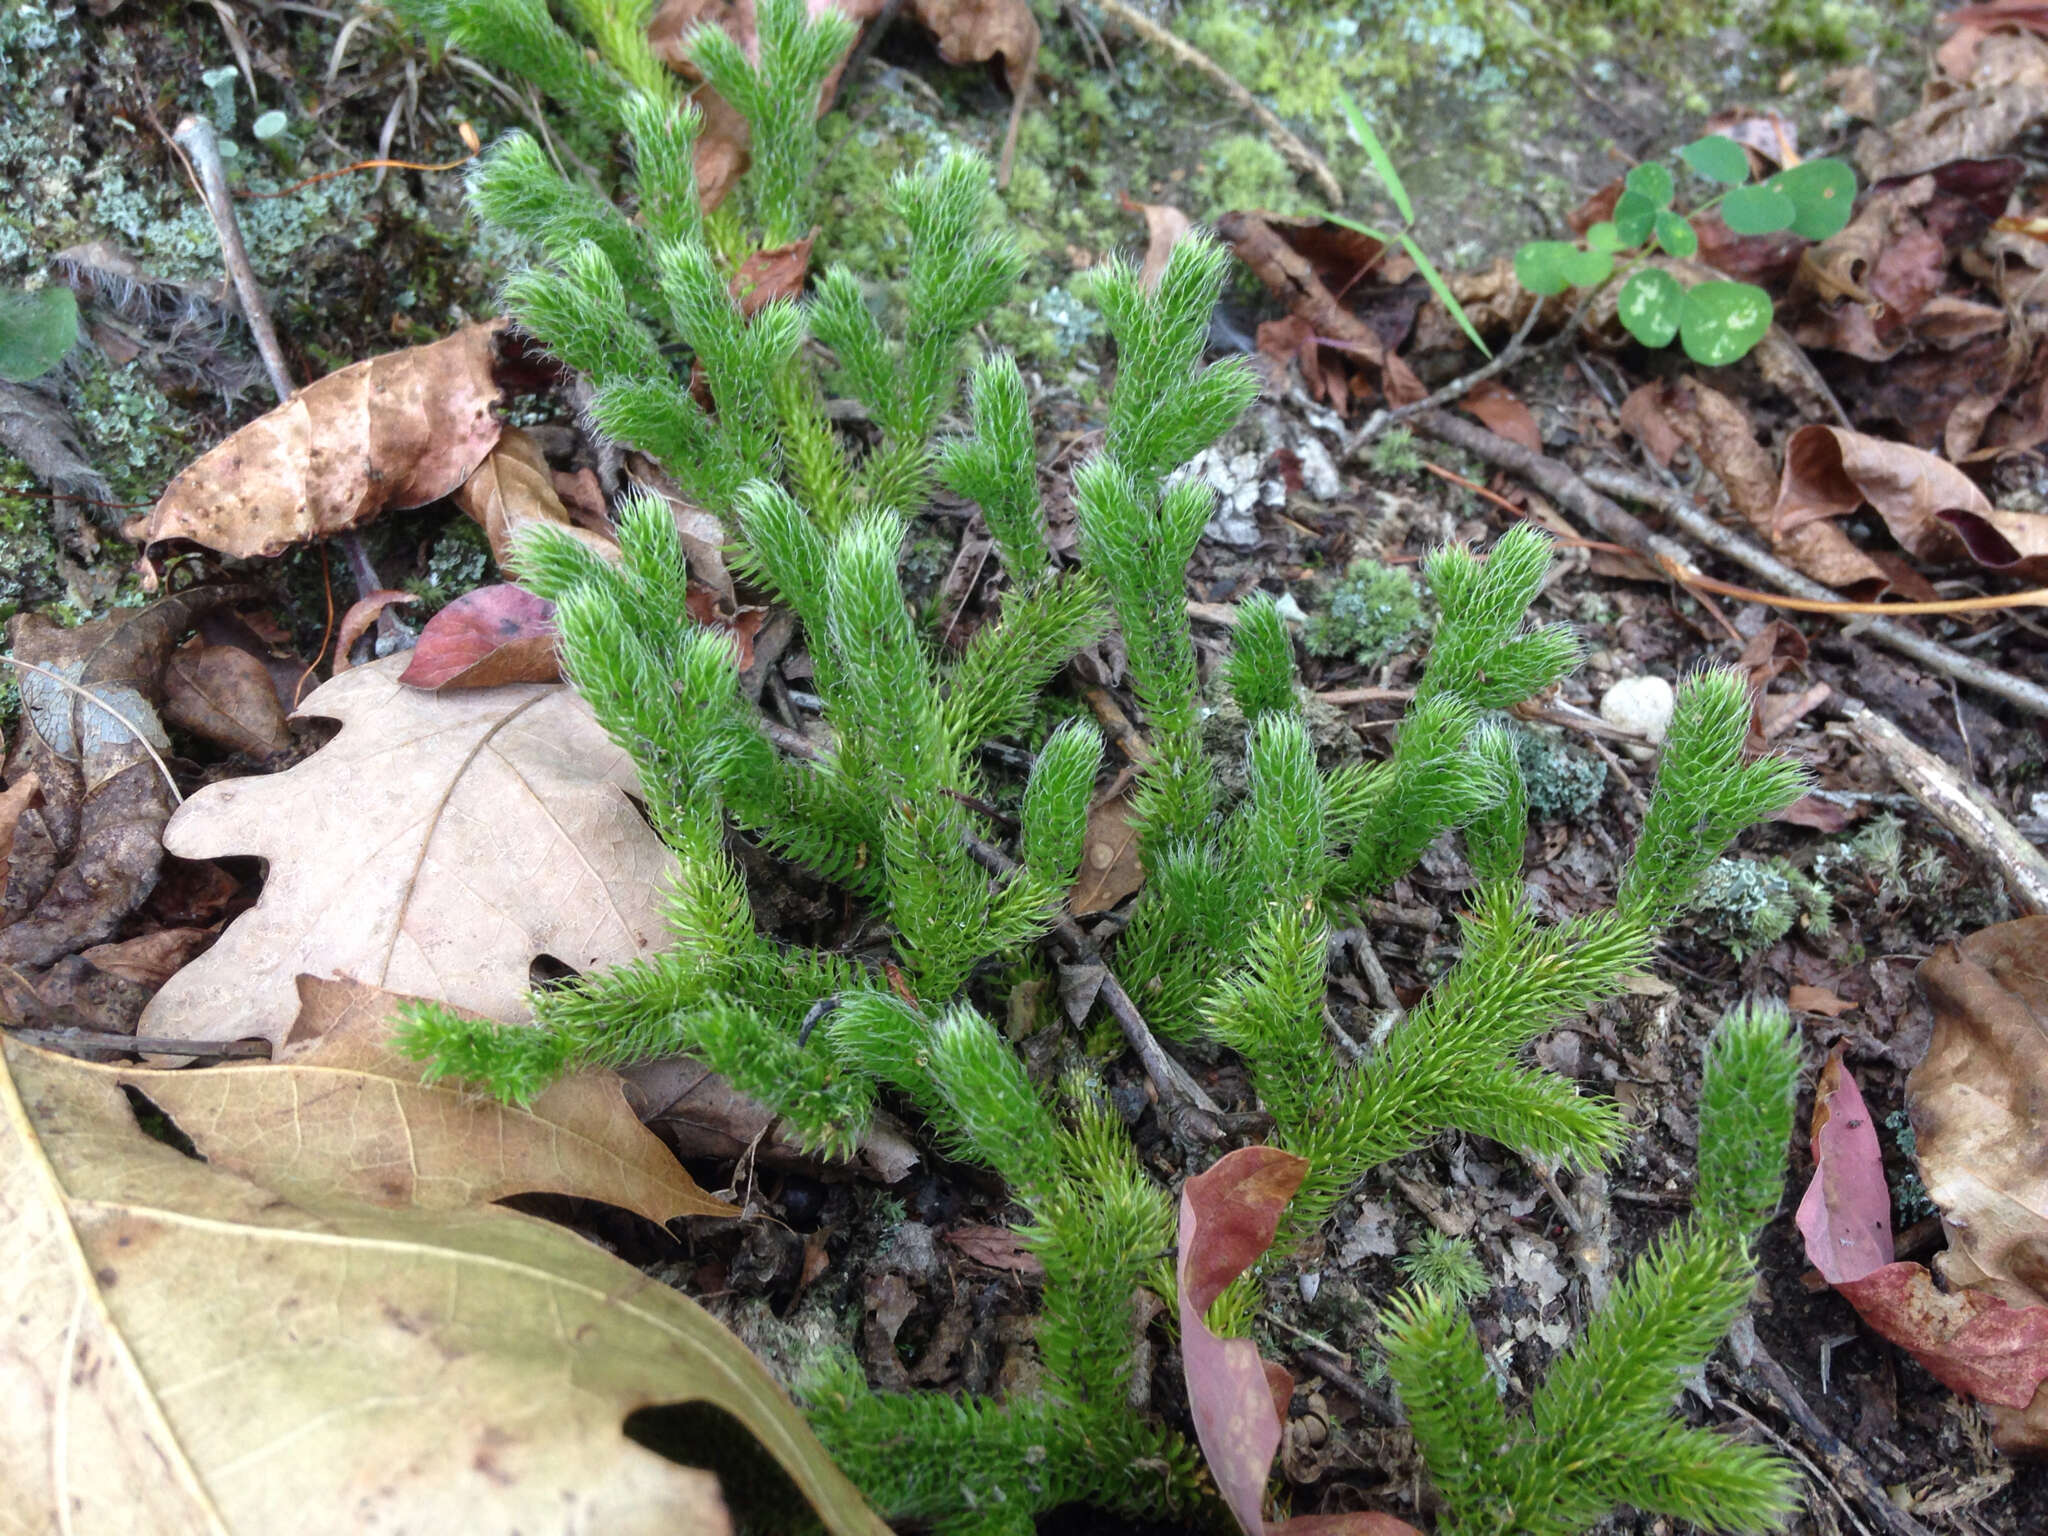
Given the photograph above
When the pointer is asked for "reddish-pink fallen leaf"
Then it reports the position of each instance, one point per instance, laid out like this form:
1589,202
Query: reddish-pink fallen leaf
395,431
1846,1214
355,623
1227,1219
497,634
1969,1340
1364,1522
1818,1000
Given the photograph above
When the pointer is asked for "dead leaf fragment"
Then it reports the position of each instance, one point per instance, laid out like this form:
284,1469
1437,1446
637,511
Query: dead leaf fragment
2006,93
395,431
225,695
1818,1000
1228,1216
356,622
1932,508
192,1351
89,854
435,847
1970,1340
340,1113
513,488
1974,1102
1110,869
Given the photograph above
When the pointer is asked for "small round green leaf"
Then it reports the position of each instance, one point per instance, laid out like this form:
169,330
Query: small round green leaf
1717,158
36,330
1719,322
269,125
1603,236
1653,182
1823,192
1677,237
1540,266
1761,210
1648,304
1634,217
1588,269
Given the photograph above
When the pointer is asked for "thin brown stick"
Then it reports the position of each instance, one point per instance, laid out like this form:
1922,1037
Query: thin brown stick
1168,1076
69,1039
1296,153
1763,1379
1382,421
195,136
1576,493
1958,805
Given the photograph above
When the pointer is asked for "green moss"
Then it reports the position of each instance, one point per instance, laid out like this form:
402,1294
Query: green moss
1374,611
1246,171
28,553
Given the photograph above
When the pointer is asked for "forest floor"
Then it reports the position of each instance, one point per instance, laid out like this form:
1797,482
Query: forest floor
915,1277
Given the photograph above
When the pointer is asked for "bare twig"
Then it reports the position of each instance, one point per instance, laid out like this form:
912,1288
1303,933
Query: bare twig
1382,421
1168,1075
1958,805
1297,154
1579,494
1762,1378
69,1039
195,136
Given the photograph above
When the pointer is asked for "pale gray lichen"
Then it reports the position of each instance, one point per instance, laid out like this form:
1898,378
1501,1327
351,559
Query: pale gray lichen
1747,905
1565,782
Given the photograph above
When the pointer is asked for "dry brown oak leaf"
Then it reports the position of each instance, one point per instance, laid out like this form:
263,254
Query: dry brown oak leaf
395,431
436,847
193,1351
342,1113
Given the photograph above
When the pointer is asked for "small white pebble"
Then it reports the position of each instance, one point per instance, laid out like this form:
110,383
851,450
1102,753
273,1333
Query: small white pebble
1641,704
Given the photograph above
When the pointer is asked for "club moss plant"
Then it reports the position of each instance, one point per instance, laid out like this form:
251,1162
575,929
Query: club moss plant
1227,940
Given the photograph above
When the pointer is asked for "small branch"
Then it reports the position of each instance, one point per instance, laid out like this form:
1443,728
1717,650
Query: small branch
1168,1076
1297,154
68,1039
195,136
1579,494
1763,1379
1382,421
1958,805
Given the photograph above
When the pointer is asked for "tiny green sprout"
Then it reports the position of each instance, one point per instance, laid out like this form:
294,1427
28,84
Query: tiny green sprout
1445,1264
1716,322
